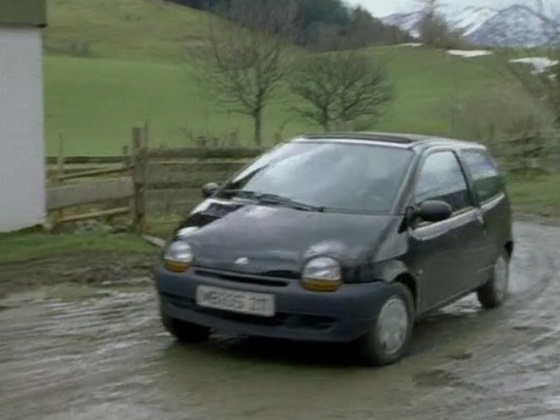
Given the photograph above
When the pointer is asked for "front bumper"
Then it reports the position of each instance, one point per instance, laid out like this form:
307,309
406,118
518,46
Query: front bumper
339,316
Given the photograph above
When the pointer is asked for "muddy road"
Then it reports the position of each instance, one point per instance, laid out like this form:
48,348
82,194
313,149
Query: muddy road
95,350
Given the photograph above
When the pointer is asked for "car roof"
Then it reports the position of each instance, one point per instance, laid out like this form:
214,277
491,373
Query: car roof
403,140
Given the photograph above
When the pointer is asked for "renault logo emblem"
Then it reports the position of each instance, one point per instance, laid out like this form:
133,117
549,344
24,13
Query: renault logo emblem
242,261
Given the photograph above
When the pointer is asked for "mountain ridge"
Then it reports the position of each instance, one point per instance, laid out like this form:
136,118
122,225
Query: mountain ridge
514,26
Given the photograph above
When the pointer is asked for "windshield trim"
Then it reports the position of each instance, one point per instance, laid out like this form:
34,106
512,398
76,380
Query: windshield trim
330,210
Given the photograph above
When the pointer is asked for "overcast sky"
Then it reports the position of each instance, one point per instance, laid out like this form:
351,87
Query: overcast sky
381,8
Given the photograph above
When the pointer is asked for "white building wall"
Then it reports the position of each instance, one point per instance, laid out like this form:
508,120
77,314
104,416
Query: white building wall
22,148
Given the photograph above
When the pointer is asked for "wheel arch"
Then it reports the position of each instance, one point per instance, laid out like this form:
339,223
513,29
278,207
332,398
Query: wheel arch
395,271
408,280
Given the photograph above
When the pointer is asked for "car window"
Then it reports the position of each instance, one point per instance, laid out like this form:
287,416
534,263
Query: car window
441,178
485,173
353,177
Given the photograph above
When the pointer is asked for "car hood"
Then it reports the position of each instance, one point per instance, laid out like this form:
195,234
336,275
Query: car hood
276,240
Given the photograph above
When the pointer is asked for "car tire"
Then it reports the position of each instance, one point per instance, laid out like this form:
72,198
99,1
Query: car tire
183,331
375,348
494,293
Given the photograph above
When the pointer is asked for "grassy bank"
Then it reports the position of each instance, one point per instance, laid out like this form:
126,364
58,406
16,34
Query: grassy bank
113,65
93,103
16,247
539,195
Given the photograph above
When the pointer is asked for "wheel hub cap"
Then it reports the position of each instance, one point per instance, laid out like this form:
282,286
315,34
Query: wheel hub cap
393,325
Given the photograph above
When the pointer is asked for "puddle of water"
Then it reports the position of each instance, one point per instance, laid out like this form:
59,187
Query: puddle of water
435,378
64,292
35,295
114,347
137,282
553,402
525,382
109,410
74,292
462,355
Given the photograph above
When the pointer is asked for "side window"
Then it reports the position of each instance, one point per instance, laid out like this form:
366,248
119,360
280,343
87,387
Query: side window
441,178
486,177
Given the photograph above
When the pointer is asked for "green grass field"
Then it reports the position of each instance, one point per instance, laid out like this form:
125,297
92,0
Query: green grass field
15,247
132,70
538,195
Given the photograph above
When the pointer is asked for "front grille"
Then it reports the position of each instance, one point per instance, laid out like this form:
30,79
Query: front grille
283,274
242,278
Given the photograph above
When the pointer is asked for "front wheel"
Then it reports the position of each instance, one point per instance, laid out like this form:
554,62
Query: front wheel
183,331
494,293
388,339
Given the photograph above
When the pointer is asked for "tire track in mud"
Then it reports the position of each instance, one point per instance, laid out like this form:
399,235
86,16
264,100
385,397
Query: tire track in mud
105,356
517,364
67,349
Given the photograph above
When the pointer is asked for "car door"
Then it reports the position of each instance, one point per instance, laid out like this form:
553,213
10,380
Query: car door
444,254
489,188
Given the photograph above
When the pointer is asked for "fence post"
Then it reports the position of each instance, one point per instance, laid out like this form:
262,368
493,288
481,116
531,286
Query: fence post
138,177
145,133
59,214
128,162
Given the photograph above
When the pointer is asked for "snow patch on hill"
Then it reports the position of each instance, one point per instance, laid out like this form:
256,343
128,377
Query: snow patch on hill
540,64
469,53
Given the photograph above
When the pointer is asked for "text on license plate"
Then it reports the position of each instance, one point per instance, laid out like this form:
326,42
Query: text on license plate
235,301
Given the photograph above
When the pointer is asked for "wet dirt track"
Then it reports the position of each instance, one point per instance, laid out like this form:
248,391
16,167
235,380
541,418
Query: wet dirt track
98,352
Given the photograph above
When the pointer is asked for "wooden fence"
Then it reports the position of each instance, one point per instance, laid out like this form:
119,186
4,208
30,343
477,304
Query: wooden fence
142,182
174,177
84,188
159,183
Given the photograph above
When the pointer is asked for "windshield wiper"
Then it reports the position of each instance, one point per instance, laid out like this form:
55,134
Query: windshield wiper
265,198
285,201
237,192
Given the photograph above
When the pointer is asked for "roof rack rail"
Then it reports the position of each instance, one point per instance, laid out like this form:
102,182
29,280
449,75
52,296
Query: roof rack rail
378,137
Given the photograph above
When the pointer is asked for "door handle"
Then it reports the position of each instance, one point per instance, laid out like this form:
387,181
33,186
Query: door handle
480,218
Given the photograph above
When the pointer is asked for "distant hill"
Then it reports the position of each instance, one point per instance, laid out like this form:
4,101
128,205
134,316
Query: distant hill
320,24
151,30
514,26
111,65
164,30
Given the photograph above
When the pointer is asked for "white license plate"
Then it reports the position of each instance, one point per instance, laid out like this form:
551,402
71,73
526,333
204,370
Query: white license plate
232,300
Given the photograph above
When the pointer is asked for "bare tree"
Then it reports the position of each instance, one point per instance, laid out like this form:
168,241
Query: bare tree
335,89
429,7
432,26
244,62
434,29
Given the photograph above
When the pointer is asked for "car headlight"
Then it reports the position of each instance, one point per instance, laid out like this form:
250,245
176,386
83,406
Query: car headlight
322,274
178,257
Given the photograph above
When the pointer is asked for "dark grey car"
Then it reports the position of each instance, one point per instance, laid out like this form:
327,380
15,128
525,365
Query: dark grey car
342,238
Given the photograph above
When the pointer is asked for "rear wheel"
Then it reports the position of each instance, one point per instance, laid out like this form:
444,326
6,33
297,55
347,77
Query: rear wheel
388,339
494,293
183,331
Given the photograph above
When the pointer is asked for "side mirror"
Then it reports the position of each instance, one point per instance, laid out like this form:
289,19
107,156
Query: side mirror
209,189
433,211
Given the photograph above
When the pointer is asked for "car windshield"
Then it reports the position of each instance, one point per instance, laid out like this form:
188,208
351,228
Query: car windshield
325,175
